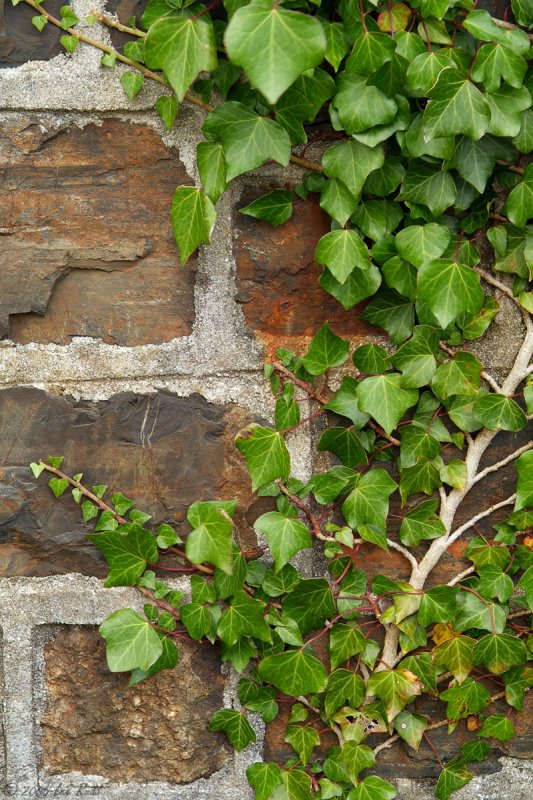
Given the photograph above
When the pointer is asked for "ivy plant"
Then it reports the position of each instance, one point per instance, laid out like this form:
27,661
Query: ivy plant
418,115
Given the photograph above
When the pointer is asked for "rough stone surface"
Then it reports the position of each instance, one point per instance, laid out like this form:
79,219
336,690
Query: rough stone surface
277,277
94,723
161,451
86,236
20,41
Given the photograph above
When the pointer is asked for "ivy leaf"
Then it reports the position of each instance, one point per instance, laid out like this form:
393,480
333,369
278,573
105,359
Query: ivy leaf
233,123
411,728
395,688
310,604
337,200
416,358
296,785
482,554
438,605
264,778
345,444
429,185
236,727
341,251
370,50
420,524
497,412
385,399
496,61
302,101
422,666
212,168
294,672
131,642
274,207
519,205
481,25
196,619
524,489
499,652
265,452
451,780
302,740
455,473
361,106
273,46
368,502
356,757
498,727
327,350
132,83
344,642
523,12
419,244
493,582
243,618
392,312
352,162
373,788
449,289
167,108
360,284
506,106
424,70
478,614
421,477
469,698
337,43
455,106
456,656
371,359
515,687
344,687
285,536
182,47
327,486
167,660
377,218
210,539
126,551
58,486
461,375
417,444
193,218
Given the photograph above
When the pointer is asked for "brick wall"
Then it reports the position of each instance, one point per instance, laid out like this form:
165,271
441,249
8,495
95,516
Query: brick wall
140,373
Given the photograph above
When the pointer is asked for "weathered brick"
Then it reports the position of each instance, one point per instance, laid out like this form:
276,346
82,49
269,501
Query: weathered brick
87,240
277,278
95,724
162,451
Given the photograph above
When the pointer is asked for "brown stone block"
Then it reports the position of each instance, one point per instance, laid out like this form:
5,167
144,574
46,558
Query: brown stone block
86,235
20,41
278,279
94,723
162,451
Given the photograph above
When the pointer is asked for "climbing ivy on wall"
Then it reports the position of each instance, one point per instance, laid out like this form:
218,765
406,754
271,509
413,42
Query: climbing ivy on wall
419,119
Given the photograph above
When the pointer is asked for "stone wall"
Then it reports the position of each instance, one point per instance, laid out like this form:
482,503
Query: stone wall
140,373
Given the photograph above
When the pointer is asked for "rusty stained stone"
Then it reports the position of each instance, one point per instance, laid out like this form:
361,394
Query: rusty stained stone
278,279
86,235
162,451
93,723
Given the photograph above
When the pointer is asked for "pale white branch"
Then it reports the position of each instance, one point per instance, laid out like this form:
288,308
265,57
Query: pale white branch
464,574
455,535
502,463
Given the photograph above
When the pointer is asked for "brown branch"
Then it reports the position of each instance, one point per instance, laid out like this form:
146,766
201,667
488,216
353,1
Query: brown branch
111,23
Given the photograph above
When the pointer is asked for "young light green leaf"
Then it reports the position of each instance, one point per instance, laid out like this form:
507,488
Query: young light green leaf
455,473
196,619
497,412
344,642
524,489
167,108
419,244
131,642
368,502
265,452
212,168
450,780
264,778
210,539
182,47
274,207
395,688
327,350
303,741
39,22
132,83
126,551
58,486
233,123
236,727
69,43
456,656
449,289
341,251
373,788
193,217
273,45
285,536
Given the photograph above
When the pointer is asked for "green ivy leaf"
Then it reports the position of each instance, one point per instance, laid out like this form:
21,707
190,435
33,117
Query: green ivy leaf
519,205
371,359
39,22
182,47
236,727
356,757
132,83
294,672
193,218
264,778
126,551
456,656
233,123
438,605
419,244
302,101
337,43
395,688
274,46
296,785
498,727
497,412
310,604
210,538
420,524
455,106
360,284
167,660
373,788
212,168
385,399
352,162
58,486
131,642
167,108
361,106
506,105
429,185
411,728
368,502
478,614
274,207
326,351
285,536
499,652
303,741
451,780
392,312
265,452
344,687
243,618
416,358
461,375
449,289
455,473
342,251
524,489
337,200
345,444
344,642
468,698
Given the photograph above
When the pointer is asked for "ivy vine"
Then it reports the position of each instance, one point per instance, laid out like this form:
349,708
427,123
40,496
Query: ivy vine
427,104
